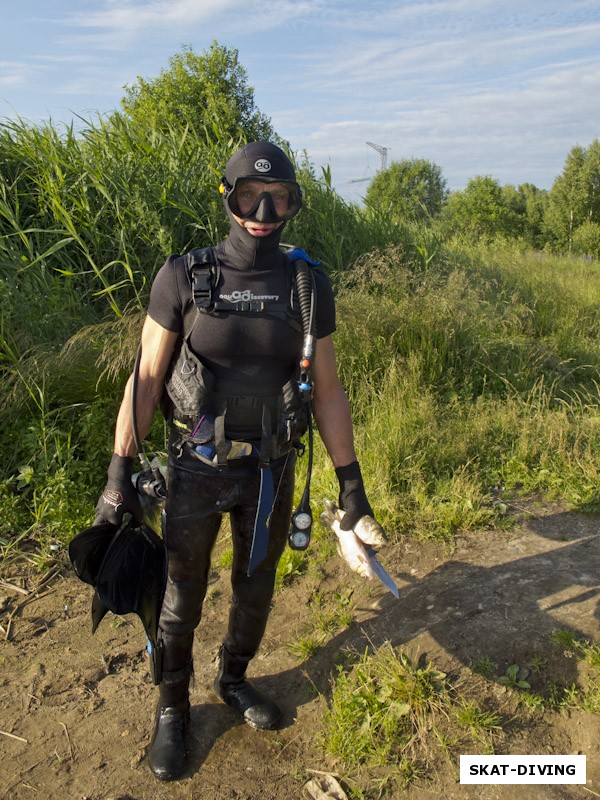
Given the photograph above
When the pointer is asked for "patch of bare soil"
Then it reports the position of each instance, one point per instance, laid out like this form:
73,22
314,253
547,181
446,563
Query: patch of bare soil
76,710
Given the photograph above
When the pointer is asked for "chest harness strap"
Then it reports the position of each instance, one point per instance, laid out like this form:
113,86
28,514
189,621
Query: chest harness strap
204,272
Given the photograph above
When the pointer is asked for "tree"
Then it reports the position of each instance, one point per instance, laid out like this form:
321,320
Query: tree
210,89
535,202
586,240
528,203
482,210
575,195
413,189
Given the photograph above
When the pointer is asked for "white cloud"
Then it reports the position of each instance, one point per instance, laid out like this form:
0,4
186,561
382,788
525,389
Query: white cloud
12,73
122,21
11,80
504,89
130,16
383,65
477,86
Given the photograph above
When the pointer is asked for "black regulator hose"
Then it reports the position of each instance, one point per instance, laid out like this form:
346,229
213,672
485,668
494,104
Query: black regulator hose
304,282
299,537
305,286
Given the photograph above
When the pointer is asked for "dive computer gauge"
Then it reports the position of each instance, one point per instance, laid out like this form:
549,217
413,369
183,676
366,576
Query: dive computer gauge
299,537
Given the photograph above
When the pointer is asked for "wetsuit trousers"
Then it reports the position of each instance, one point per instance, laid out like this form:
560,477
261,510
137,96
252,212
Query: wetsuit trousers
194,511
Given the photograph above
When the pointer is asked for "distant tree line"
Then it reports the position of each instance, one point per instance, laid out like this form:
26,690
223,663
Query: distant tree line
193,114
564,219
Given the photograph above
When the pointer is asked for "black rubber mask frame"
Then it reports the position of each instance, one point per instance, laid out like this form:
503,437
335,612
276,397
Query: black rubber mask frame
263,209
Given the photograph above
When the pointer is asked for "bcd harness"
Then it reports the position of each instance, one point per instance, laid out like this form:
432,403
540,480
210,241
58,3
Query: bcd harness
284,417
204,272
190,386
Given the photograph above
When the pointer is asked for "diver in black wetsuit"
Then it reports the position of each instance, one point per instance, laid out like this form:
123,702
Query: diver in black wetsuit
231,451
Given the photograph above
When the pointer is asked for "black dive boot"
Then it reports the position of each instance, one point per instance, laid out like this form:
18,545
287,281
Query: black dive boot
167,755
233,688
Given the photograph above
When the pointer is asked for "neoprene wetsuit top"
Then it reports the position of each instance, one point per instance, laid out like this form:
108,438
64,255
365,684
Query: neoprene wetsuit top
249,349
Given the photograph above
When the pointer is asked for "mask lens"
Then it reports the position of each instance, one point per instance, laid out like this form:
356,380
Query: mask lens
282,199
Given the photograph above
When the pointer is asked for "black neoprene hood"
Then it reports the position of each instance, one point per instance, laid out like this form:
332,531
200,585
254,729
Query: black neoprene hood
261,160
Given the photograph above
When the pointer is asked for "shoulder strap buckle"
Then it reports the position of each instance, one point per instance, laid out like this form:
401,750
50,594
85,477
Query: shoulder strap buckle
203,274
202,285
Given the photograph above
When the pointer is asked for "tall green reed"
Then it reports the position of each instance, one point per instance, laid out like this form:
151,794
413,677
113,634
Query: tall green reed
333,230
103,207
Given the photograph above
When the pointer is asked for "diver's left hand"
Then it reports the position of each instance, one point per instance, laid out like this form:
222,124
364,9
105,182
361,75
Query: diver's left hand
353,498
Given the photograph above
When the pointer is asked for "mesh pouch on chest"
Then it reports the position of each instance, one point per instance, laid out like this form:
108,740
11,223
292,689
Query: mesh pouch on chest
188,387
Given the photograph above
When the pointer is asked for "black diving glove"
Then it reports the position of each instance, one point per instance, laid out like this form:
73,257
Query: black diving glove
353,498
120,495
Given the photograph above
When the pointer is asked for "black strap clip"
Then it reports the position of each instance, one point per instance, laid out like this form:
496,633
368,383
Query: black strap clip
202,287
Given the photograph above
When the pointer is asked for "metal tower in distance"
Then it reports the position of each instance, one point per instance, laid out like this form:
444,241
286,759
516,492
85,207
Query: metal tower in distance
383,151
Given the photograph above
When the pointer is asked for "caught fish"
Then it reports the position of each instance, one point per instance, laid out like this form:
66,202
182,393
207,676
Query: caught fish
368,530
349,546
356,546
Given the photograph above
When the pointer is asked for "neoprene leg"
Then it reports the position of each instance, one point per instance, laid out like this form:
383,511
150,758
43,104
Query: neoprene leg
251,604
167,755
189,545
251,596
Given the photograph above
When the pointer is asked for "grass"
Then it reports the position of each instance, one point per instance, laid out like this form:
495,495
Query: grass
537,685
483,666
327,615
391,717
454,398
584,696
471,371
394,718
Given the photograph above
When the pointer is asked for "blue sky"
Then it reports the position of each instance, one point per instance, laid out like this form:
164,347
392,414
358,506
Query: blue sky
479,87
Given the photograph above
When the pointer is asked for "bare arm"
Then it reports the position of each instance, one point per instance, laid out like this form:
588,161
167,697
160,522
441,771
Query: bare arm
330,406
157,348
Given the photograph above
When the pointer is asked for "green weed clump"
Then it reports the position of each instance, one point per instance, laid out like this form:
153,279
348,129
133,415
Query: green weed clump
391,718
539,685
585,694
327,616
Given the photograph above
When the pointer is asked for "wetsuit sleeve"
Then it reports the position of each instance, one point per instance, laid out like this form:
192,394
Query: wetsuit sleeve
165,306
325,304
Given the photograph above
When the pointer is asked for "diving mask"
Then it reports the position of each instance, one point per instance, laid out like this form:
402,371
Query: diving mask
263,201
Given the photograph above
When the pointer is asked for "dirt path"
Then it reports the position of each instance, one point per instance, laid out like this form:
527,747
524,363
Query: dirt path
80,708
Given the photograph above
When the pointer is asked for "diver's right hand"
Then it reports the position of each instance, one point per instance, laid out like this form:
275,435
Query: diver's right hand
120,495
